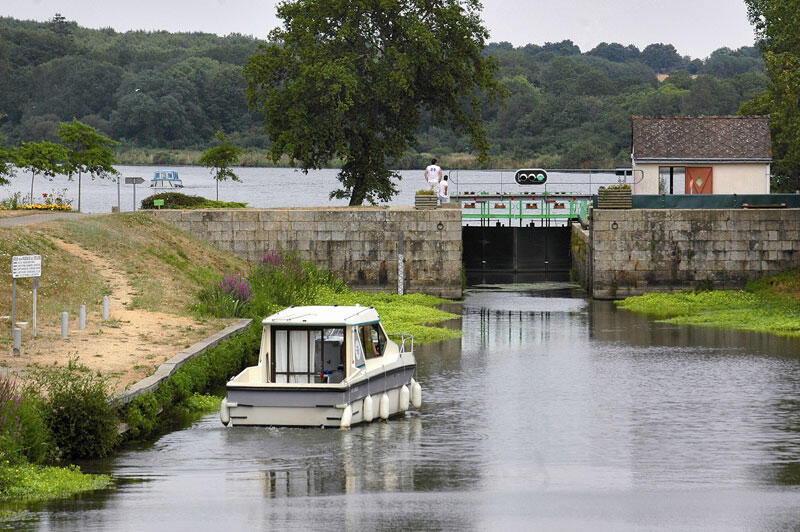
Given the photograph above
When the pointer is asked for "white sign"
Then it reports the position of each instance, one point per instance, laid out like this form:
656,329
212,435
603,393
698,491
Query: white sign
26,266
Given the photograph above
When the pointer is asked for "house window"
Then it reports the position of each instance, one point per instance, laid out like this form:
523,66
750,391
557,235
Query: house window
671,180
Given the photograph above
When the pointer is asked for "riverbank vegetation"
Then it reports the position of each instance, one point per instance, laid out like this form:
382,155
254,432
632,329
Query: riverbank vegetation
51,415
768,305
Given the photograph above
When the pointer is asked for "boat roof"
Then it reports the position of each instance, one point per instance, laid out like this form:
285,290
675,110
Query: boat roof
324,315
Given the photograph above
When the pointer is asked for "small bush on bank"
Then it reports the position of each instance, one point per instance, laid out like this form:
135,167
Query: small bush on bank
76,410
176,200
226,298
23,432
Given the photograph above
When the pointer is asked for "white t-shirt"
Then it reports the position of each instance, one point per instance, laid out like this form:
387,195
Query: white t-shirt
432,173
444,192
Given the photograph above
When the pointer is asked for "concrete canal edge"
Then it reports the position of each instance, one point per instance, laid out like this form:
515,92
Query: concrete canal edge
168,368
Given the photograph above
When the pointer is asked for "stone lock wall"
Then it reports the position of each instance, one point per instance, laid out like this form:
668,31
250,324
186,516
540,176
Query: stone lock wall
358,243
638,250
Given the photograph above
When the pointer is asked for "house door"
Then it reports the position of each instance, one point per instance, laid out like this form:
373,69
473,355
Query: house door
699,181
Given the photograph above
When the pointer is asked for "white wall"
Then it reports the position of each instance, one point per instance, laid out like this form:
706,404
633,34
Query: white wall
729,178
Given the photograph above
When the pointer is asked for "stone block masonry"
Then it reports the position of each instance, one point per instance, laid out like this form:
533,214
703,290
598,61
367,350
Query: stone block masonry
357,243
647,250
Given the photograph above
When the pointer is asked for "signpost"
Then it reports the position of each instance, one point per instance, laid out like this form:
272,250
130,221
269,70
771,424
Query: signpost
158,203
25,266
134,181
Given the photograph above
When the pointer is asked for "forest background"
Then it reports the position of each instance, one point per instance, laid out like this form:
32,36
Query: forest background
160,91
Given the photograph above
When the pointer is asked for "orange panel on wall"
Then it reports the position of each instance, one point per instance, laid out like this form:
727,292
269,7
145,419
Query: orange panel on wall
699,180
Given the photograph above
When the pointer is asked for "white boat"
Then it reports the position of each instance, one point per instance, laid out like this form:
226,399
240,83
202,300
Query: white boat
330,366
166,179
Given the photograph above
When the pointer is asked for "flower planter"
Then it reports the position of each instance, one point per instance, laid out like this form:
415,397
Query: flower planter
614,198
426,201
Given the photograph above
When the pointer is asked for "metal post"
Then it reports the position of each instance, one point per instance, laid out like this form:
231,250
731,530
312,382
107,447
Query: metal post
401,248
105,308
35,289
119,205
14,303
65,325
82,317
17,341
134,197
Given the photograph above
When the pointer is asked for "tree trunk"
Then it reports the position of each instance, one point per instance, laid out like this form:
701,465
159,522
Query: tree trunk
359,193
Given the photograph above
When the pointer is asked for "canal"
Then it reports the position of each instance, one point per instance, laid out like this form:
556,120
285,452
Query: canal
552,412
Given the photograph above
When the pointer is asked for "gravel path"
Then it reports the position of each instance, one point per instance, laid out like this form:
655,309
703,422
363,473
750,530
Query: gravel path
12,221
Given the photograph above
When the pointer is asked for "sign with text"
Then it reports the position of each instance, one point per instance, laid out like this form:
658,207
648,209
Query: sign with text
134,180
158,203
26,266
535,176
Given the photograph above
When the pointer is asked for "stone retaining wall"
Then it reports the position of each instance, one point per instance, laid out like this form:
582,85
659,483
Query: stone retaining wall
581,251
358,243
638,250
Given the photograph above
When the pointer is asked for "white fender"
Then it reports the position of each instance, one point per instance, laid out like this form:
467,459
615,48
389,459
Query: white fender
404,393
366,409
347,417
224,413
384,406
416,394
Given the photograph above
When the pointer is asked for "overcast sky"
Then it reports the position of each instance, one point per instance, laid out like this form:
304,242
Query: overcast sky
695,27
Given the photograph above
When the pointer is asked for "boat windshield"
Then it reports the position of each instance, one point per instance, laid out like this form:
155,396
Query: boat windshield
373,339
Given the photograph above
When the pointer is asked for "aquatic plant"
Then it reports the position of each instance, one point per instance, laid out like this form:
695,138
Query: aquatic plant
10,422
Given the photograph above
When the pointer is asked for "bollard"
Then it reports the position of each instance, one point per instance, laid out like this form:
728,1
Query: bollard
105,308
17,341
82,317
65,325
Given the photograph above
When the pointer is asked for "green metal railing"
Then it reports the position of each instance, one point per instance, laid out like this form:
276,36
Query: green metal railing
544,207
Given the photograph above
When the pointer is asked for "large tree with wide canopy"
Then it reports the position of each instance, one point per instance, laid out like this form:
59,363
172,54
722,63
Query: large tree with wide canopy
350,80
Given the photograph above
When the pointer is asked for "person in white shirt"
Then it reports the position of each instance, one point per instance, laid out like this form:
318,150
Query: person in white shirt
433,176
444,195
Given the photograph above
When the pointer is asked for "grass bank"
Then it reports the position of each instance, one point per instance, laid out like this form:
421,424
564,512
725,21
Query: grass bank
769,305
56,413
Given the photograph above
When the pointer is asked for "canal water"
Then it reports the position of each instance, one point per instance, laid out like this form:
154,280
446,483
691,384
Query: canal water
552,412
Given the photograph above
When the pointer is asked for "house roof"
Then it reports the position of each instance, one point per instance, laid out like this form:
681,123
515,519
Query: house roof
701,139
323,315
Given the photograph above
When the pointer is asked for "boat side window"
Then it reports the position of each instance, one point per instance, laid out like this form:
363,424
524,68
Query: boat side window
373,339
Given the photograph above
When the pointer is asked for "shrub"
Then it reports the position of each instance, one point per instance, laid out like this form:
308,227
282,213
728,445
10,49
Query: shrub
176,200
10,421
226,298
76,410
425,192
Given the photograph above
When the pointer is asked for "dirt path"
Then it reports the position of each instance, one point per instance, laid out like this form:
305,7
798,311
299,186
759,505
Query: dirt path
127,347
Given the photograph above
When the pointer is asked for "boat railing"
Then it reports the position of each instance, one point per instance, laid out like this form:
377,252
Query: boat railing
404,339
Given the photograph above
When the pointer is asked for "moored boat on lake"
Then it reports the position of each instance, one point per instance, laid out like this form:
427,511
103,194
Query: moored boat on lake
166,179
331,366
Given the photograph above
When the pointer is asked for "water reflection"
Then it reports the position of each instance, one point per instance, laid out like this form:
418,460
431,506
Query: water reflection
550,412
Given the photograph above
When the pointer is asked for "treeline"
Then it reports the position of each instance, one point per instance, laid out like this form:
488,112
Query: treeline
565,108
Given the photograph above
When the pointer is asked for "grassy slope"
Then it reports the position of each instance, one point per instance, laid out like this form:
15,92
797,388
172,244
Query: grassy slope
771,304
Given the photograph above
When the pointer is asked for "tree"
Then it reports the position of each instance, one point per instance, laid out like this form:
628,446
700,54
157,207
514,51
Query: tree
221,158
776,23
661,57
45,157
349,79
87,152
6,160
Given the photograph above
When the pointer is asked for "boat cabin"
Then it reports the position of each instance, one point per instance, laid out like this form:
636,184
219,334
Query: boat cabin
319,345
166,179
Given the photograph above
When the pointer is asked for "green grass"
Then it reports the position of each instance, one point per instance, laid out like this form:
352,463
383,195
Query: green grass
766,306
409,314
36,483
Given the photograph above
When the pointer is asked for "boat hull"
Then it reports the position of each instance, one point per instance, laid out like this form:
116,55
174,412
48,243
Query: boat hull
315,406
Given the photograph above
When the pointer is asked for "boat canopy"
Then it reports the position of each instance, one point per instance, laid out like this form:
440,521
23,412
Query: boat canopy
165,175
323,315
